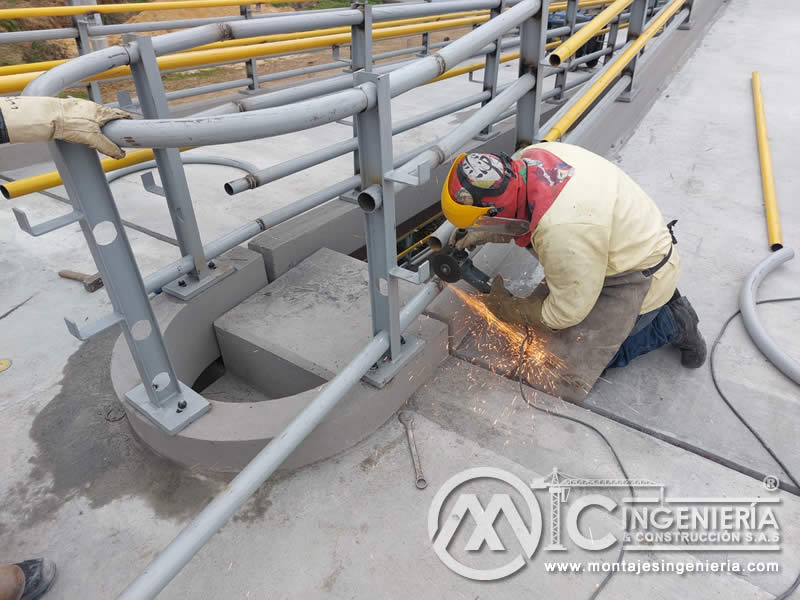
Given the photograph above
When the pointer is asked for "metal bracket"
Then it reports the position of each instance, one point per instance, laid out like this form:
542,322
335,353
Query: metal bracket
416,277
422,175
84,333
181,409
47,226
351,197
126,103
187,287
149,183
385,369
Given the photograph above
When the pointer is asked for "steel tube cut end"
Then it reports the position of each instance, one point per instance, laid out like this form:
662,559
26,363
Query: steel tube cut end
370,199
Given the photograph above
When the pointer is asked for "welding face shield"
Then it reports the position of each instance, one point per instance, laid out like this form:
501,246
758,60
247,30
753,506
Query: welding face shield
481,193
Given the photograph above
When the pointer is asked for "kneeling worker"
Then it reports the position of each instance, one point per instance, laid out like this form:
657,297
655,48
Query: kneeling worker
611,270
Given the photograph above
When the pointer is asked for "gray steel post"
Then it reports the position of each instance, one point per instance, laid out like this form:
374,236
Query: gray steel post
84,44
360,58
375,158
611,44
636,24
163,398
533,38
561,76
687,24
491,71
250,65
153,103
426,41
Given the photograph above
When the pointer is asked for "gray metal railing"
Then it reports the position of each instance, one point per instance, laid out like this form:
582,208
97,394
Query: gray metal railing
366,95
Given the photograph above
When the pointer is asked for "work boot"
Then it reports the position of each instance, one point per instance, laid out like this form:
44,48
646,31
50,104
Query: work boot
688,339
35,575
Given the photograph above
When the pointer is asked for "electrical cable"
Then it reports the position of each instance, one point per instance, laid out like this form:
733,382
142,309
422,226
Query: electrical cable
793,587
588,426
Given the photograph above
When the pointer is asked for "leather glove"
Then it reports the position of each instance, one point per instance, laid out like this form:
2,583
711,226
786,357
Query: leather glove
42,119
476,238
513,309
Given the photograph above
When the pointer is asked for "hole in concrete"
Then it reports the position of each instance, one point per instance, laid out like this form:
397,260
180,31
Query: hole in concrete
141,330
211,374
161,381
104,233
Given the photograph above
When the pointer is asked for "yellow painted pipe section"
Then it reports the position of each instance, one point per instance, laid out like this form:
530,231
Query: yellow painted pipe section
767,177
37,183
68,11
572,44
49,64
200,58
597,88
280,37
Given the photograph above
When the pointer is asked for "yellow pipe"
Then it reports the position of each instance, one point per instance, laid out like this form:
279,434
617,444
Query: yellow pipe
200,58
68,11
594,91
767,177
37,183
333,30
48,64
587,32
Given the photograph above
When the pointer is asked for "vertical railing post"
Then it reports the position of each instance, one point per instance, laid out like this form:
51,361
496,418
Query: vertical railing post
533,37
687,24
636,25
426,41
375,155
250,65
84,44
491,70
561,76
165,400
360,57
153,104
613,33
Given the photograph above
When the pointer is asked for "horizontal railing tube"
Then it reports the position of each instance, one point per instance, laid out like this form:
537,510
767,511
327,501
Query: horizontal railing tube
238,236
226,129
306,161
15,37
449,144
430,67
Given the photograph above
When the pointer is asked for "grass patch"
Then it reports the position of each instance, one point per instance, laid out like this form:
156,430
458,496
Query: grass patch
75,94
205,73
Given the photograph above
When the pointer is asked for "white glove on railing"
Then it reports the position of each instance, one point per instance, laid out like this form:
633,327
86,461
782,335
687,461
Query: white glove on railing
42,119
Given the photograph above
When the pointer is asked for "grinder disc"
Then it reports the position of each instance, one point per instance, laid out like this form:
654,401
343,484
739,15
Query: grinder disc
446,267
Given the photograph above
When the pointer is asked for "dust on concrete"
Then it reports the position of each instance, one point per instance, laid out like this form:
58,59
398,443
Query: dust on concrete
85,449
378,452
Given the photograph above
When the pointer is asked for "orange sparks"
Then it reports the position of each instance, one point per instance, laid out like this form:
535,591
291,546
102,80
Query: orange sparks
501,343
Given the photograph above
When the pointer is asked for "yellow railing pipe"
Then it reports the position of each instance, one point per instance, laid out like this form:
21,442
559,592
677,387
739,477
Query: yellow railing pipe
37,183
280,37
200,58
68,11
765,158
572,44
594,91
49,64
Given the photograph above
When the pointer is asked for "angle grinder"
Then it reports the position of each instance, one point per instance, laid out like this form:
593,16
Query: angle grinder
451,264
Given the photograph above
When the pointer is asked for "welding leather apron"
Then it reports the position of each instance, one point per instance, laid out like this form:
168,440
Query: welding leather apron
586,348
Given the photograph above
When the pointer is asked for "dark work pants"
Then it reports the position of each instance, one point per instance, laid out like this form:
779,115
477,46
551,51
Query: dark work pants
652,330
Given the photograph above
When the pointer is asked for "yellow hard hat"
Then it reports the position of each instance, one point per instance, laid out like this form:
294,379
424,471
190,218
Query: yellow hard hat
460,215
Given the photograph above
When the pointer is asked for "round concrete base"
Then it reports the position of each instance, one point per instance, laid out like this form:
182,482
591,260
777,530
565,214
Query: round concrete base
232,433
